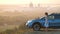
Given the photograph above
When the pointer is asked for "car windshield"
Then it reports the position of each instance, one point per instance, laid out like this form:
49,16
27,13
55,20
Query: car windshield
42,18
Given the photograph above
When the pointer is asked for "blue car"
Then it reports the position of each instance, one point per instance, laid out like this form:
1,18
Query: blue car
37,24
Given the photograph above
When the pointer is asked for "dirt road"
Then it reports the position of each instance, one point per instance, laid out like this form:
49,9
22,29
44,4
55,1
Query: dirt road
50,31
43,32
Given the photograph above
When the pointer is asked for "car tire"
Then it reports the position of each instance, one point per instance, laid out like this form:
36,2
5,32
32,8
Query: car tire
36,27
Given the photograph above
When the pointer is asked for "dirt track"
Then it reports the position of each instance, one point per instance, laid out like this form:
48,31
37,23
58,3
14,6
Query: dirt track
44,32
50,31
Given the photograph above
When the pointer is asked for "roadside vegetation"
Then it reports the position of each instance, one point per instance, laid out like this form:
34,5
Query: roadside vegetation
14,22
20,30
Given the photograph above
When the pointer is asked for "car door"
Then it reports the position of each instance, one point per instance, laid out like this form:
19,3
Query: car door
51,20
57,20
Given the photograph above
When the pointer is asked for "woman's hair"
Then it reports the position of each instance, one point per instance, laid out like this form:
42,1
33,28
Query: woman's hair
46,13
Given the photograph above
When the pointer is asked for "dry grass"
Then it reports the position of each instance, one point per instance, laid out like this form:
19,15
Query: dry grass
9,20
20,30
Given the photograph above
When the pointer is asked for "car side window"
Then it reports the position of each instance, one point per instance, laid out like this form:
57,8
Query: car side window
57,17
50,17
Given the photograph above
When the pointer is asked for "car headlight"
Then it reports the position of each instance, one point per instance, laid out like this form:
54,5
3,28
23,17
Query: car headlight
28,22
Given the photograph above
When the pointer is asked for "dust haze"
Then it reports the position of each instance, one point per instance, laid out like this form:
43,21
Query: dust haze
12,17
21,15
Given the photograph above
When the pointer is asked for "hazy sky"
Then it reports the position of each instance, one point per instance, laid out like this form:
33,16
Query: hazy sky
28,1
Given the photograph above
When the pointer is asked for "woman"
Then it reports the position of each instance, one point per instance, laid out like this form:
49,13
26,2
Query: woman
46,21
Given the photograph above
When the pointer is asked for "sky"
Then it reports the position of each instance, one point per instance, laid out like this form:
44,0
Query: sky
15,2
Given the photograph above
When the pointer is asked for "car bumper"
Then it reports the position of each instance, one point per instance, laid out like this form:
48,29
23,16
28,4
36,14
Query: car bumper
28,26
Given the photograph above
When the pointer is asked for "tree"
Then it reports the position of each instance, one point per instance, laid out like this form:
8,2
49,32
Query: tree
31,4
38,5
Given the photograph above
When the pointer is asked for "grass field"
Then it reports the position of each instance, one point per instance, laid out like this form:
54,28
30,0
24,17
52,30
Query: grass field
14,22
3,28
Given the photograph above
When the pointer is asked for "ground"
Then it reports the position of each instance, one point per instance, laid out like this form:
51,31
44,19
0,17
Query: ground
24,30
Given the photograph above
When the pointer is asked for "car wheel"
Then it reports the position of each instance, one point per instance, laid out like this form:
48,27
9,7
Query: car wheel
36,27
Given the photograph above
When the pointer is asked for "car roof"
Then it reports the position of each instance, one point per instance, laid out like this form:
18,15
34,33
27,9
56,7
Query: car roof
55,14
